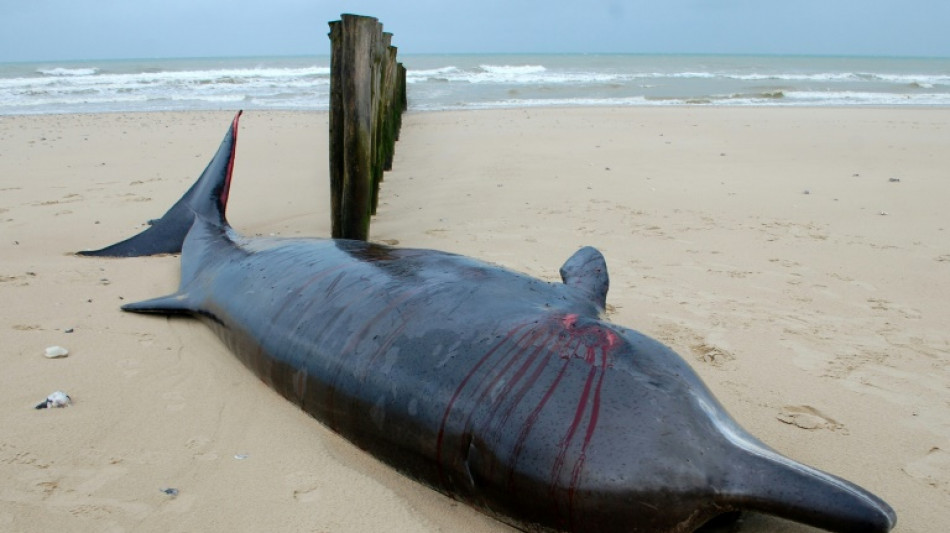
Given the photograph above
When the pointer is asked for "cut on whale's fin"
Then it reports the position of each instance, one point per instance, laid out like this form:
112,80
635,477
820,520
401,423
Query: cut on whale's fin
587,270
207,198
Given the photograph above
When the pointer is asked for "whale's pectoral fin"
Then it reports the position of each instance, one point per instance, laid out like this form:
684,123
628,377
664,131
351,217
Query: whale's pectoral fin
587,270
174,304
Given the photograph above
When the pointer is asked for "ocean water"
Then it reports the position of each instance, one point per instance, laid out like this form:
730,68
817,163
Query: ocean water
437,82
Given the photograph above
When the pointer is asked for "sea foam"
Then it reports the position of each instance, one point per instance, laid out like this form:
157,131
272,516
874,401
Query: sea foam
479,81
62,71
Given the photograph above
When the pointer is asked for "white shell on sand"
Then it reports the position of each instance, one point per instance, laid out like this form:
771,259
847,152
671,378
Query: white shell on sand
54,352
56,399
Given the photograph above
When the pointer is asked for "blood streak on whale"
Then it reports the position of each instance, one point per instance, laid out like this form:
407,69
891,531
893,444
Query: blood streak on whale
514,366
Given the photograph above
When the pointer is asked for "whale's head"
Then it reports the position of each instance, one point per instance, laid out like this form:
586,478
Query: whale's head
620,434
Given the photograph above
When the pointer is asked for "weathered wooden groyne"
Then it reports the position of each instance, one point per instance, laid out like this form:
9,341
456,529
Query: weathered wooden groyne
367,99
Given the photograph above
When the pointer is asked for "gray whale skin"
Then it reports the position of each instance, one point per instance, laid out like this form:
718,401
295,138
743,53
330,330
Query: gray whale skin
502,391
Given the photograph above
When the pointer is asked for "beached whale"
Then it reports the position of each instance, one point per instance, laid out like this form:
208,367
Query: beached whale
503,391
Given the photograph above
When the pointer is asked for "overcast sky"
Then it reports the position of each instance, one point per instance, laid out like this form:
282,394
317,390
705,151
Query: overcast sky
32,30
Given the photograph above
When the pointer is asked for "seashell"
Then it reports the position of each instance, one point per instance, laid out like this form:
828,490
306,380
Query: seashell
56,399
55,352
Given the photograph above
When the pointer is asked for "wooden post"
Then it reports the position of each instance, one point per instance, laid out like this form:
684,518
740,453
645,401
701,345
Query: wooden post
392,110
400,99
336,130
367,97
379,106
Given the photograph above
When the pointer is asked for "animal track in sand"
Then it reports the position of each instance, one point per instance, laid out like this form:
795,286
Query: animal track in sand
712,355
201,445
840,277
129,197
777,229
739,274
47,487
880,304
844,364
935,346
787,263
145,339
307,494
702,349
933,468
68,199
305,487
10,455
141,182
20,279
90,511
807,417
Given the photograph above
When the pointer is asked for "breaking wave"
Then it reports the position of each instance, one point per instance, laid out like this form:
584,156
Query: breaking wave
479,81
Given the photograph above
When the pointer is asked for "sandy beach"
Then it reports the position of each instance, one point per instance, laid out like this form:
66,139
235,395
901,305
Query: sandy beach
798,258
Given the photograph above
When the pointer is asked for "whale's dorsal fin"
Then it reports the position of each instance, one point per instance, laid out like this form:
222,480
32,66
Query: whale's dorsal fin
587,270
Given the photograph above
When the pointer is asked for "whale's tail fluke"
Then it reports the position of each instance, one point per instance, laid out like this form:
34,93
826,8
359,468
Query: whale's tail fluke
207,199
